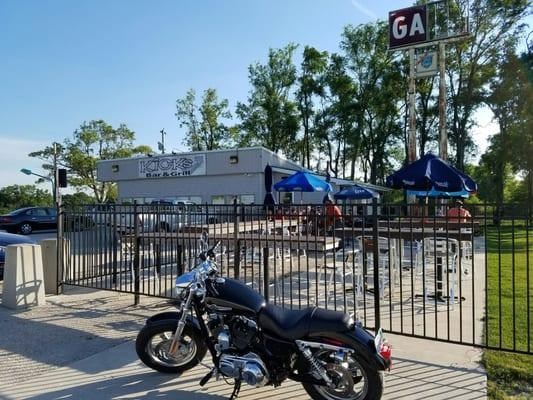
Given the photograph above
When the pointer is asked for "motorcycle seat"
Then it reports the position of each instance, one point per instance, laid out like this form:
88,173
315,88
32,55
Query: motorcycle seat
297,324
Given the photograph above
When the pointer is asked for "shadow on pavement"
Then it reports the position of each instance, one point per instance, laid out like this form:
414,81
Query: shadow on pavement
150,385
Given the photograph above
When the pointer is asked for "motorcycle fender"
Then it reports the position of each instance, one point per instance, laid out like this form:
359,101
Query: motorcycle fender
174,315
362,342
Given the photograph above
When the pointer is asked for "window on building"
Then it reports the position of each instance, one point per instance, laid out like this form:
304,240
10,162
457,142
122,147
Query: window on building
195,199
286,198
247,199
218,200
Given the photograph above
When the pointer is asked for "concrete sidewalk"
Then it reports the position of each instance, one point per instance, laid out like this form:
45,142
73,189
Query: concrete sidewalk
80,346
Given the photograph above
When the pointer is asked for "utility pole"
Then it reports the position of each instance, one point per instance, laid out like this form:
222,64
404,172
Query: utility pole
55,179
443,133
161,144
411,156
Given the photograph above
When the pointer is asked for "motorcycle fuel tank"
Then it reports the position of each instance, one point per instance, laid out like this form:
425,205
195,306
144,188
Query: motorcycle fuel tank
234,294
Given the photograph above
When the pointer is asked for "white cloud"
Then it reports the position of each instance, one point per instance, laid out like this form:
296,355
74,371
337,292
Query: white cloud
364,10
14,156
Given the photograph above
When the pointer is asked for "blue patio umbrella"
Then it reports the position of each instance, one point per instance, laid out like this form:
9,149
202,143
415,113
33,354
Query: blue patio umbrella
356,192
437,193
431,172
302,182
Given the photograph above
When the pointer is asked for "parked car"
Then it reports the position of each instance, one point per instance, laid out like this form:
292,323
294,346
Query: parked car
26,220
5,240
161,216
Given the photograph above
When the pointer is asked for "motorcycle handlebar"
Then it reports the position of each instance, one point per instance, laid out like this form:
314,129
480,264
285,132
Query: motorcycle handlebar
210,252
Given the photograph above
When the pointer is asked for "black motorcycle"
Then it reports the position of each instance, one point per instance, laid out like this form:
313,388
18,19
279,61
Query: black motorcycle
262,344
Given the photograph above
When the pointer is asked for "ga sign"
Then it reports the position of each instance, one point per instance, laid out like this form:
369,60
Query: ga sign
407,26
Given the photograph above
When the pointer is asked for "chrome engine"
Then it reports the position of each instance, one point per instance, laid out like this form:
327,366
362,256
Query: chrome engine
250,368
236,337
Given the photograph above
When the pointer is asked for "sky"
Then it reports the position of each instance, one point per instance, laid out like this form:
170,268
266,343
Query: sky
127,61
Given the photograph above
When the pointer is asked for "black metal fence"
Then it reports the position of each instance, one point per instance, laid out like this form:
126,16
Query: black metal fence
434,271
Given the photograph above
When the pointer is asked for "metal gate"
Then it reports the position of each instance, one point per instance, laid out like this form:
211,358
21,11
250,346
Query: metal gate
415,270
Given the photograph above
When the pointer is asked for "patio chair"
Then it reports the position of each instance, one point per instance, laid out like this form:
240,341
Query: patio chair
388,260
346,266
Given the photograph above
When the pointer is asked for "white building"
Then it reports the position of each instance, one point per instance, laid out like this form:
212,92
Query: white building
213,177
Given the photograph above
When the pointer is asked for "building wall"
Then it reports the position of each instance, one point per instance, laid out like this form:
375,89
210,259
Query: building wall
250,160
197,186
222,178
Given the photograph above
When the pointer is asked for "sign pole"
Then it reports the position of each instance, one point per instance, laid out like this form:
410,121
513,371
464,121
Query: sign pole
443,134
411,156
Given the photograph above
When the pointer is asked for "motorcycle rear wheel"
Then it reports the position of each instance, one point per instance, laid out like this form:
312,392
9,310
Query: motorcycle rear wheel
153,343
368,382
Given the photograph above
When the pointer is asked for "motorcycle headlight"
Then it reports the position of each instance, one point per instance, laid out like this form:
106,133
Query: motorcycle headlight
184,281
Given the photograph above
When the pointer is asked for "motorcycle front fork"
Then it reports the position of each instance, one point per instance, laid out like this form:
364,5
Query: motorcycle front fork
181,323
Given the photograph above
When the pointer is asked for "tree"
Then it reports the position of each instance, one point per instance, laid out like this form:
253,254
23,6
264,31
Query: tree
18,196
93,141
205,131
379,92
51,157
187,117
310,85
269,117
76,199
427,114
494,25
520,97
336,123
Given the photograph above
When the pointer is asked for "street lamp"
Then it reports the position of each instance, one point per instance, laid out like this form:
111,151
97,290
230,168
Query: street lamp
47,178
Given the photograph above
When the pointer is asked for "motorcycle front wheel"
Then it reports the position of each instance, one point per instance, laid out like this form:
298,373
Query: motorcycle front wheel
153,344
355,381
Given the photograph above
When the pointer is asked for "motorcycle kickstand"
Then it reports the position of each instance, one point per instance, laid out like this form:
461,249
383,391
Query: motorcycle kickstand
207,377
236,390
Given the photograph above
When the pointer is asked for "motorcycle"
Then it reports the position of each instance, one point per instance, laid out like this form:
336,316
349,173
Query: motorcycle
260,343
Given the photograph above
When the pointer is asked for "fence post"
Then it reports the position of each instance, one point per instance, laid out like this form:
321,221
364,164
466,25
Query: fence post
236,241
59,244
179,255
136,257
530,196
375,240
115,234
266,275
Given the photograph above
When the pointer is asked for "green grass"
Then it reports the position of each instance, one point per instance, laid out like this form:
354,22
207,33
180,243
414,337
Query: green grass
510,375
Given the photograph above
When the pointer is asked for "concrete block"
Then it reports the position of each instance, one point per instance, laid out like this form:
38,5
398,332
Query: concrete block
49,253
23,277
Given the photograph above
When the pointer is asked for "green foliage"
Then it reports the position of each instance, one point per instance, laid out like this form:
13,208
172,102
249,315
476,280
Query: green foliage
205,130
310,88
18,196
93,141
495,27
510,98
50,156
270,117
380,89
77,199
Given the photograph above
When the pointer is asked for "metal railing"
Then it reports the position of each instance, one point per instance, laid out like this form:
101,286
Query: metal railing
418,270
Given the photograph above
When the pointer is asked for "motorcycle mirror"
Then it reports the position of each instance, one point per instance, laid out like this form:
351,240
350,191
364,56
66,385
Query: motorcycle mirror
211,251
